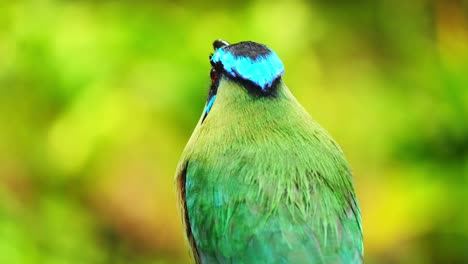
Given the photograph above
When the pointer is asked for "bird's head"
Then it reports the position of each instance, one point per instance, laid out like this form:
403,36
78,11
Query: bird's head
253,66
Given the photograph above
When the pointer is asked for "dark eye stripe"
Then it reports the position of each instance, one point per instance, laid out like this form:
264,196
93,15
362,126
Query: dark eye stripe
213,75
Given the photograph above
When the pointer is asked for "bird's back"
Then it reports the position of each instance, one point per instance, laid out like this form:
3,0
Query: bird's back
274,189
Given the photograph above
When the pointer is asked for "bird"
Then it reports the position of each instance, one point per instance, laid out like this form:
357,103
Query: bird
259,181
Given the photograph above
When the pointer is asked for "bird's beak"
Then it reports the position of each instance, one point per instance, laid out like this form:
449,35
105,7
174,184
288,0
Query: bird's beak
219,43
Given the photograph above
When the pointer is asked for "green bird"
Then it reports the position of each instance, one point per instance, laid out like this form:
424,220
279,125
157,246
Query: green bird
259,180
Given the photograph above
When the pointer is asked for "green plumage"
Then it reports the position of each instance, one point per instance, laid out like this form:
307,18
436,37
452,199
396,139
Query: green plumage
261,182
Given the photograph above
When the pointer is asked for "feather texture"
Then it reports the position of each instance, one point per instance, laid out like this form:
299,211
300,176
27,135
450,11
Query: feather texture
261,182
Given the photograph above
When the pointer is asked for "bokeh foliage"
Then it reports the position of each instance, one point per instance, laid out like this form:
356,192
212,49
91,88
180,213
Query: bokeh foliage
97,99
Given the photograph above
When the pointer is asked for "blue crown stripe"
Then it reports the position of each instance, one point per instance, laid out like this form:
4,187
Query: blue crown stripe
262,71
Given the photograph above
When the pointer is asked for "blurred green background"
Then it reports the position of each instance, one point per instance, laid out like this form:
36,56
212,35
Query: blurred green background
98,98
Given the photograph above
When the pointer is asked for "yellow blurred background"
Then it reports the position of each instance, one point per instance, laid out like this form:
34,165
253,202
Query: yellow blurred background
98,98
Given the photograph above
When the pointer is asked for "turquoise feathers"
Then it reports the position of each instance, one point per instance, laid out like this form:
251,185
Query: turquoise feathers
261,70
259,180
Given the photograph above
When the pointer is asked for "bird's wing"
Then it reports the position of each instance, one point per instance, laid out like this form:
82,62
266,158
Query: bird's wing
227,222
181,190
